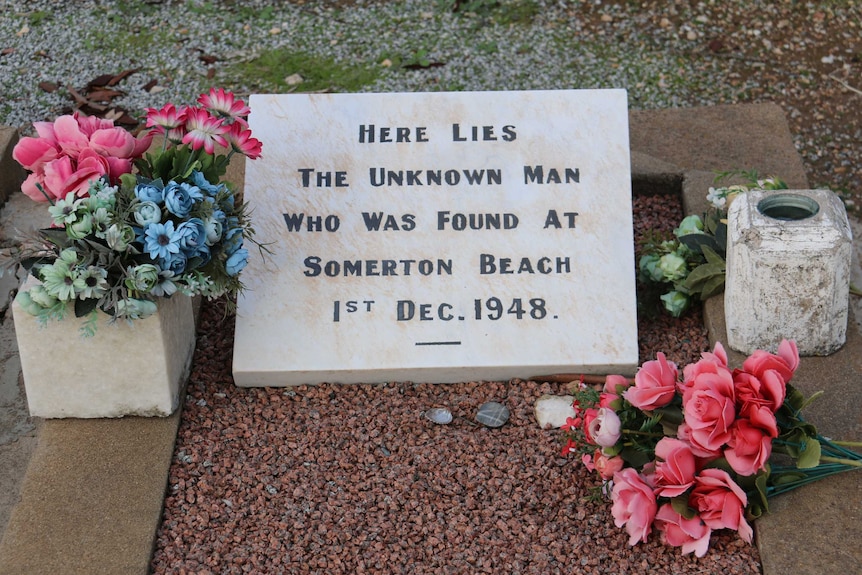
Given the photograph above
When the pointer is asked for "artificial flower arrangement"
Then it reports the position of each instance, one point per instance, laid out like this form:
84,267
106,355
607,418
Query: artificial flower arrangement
119,239
688,455
692,264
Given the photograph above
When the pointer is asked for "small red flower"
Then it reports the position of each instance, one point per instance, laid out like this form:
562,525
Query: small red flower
166,119
239,138
204,130
571,446
225,105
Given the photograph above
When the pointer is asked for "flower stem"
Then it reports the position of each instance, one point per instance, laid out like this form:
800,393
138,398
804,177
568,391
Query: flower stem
642,433
841,460
847,443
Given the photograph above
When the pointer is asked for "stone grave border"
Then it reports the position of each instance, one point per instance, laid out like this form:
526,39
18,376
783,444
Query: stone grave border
91,499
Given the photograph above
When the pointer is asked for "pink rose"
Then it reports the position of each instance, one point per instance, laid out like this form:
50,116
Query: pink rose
113,142
69,136
610,400
710,410
29,187
751,441
683,433
721,502
33,153
603,428
690,534
785,363
57,172
767,390
616,384
633,504
88,125
91,166
674,472
655,384
607,466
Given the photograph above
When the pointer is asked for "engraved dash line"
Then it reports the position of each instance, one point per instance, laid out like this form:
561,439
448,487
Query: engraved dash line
437,343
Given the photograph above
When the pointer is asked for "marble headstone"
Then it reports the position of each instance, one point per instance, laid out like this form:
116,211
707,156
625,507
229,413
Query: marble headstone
438,237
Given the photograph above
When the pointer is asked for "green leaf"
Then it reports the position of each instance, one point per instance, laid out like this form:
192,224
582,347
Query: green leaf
680,505
56,236
714,257
794,398
702,274
84,306
128,181
786,477
721,236
634,457
713,287
697,242
809,456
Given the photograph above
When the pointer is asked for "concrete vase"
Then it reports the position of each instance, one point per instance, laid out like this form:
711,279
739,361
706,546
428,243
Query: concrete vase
124,369
788,271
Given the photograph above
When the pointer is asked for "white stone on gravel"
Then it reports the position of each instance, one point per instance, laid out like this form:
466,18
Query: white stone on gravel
552,410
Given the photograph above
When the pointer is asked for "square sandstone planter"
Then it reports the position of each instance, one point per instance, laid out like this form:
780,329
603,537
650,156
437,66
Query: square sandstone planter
124,369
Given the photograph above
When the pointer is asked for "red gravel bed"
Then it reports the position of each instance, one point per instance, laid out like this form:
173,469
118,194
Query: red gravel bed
353,479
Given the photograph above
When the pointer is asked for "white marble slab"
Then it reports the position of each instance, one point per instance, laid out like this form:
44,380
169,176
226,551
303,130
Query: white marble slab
548,285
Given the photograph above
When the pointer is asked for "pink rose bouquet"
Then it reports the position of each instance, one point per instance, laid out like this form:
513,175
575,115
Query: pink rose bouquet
685,454
130,226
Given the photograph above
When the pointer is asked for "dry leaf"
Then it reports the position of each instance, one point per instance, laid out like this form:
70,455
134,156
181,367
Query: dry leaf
104,95
49,87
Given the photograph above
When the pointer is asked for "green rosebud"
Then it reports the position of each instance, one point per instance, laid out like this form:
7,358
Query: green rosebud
147,213
771,183
81,228
27,304
689,225
40,296
142,278
134,308
675,302
673,267
648,266
119,237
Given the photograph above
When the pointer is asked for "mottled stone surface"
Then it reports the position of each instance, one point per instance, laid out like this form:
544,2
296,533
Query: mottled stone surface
381,272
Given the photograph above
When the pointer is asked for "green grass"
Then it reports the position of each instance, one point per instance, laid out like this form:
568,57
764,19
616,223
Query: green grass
268,71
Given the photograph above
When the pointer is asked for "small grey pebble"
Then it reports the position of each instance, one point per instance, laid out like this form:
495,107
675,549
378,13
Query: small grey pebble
492,414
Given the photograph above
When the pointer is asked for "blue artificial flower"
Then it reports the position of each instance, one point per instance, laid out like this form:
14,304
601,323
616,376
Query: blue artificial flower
179,198
160,240
166,285
151,192
200,259
214,227
209,189
236,262
175,263
192,236
232,240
